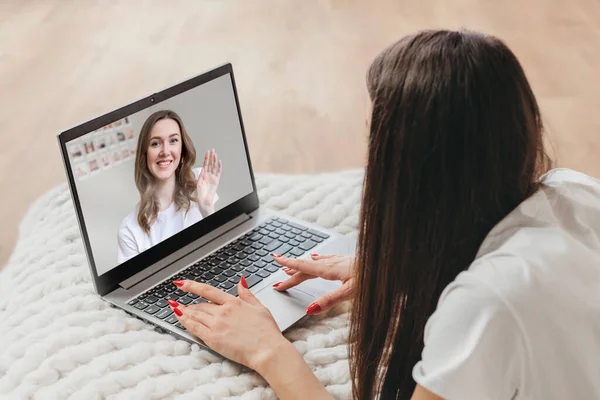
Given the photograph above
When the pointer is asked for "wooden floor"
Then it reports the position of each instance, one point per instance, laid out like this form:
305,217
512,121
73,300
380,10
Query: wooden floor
300,67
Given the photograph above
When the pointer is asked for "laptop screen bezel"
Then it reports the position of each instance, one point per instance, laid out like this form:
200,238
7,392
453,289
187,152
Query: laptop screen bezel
110,280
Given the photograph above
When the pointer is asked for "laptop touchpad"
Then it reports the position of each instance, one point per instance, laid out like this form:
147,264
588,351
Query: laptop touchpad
286,307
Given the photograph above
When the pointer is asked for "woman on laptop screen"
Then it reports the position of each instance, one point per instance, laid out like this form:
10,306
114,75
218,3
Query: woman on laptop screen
173,194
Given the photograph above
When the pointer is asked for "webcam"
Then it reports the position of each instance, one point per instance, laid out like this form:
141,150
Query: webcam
151,99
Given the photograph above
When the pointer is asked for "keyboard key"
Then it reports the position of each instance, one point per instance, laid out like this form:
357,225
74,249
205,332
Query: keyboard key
241,255
316,239
162,303
207,276
133,302
234,279
277,224
309,244
229,273
200,279
221,257
216,270
141,305
306,235
268,258
257,246
300,239
259,264
265,240
283,221
254,257
237,268
233,291
290,235
262,274
284,249
262,253
151,299
213,282
180,292
294,225
264,232
270,228
251,269
196,272
297,252
226,285
256,237
172,319
279,231
245,263
220,278
164,313
271,268
192,295
184,300
189,276
249,250
273,245
142,296
317,233
152,309
294,243
178,325
253,280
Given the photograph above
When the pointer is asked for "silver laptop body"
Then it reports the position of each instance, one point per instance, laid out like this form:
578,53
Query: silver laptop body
89,152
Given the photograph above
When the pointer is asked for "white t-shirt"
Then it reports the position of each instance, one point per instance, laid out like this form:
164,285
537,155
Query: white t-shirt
524,319
132,240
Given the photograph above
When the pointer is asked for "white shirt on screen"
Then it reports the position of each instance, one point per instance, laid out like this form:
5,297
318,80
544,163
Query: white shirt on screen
523,321
132,239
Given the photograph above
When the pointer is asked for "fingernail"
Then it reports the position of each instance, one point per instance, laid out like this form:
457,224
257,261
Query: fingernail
275,255
277,284
313,309
173,303
177,312
314,255
285,268
244,283
178,283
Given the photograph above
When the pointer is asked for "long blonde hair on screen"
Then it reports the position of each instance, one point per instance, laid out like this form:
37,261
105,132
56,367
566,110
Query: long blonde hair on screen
185,184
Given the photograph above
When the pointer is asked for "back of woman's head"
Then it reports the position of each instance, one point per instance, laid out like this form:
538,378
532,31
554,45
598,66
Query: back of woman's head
455,144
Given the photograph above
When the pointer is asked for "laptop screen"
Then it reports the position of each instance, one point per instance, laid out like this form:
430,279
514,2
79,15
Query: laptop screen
146,177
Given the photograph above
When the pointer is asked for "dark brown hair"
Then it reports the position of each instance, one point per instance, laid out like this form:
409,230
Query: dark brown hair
185,184
455,144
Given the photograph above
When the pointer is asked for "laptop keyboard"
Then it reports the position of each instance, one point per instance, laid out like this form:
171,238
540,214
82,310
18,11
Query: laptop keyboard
248,256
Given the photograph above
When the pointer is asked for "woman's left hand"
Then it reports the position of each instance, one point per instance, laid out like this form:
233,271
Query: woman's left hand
208,181
239,328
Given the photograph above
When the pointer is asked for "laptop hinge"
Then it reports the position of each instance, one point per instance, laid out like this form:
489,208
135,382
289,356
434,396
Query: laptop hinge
179,254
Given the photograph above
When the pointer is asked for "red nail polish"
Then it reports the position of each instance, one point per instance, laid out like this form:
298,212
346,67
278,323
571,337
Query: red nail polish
177,312
173,303
275,255
244,283
277,284
314,255
313,309
178,283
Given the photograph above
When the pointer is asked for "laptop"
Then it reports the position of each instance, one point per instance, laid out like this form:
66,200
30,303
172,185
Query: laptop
148,215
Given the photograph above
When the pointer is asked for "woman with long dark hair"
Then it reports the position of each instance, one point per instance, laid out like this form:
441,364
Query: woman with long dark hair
477,272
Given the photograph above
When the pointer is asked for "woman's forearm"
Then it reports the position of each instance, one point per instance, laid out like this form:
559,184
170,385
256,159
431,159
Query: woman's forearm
289,376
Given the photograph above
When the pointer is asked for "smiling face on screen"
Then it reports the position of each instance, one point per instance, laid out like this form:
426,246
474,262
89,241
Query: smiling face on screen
164,149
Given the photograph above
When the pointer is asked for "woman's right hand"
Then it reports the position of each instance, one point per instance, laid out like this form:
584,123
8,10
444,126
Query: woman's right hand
331,267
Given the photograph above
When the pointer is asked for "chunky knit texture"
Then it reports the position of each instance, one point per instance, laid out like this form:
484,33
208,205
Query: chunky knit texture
58,339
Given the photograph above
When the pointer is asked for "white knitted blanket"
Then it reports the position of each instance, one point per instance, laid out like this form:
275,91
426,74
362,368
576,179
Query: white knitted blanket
58,339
